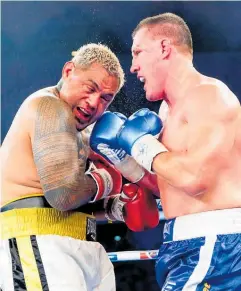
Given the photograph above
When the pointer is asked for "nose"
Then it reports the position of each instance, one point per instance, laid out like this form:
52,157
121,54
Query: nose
134,67
93,100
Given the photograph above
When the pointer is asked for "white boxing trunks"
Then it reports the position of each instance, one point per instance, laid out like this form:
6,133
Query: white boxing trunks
45,249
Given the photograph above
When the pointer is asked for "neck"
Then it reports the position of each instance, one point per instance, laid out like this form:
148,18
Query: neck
179,79
58,87
59,84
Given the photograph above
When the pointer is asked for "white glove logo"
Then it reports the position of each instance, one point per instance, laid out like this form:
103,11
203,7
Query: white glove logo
114,155
117,209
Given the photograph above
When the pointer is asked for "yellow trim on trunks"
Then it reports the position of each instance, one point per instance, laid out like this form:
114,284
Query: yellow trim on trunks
43,221
29,265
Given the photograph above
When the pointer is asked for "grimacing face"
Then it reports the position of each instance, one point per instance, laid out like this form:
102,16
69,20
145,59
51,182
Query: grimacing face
88,91
148,64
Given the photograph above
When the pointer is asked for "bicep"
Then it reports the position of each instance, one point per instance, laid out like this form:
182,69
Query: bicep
54,142
210,123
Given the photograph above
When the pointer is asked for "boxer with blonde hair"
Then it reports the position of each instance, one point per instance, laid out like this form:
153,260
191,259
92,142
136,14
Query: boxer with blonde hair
51,178
47,241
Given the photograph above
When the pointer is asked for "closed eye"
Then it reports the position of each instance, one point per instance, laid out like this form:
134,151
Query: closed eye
90,89
136,52
107,97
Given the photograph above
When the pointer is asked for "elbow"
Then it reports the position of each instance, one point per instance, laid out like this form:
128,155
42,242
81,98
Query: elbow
57,202
62,201
61,207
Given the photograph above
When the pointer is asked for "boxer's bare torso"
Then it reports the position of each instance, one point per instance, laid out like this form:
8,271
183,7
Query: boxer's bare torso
186,132
19,177
19,174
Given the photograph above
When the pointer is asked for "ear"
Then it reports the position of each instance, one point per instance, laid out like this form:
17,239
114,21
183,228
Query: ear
165,45
67,69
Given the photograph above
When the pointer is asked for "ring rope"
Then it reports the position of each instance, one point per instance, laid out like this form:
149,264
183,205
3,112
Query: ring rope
133,255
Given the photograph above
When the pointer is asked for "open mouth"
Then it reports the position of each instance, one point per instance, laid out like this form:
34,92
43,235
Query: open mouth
81,114
143,81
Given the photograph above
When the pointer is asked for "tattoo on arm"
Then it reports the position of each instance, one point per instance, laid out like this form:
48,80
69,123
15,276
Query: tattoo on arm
60,157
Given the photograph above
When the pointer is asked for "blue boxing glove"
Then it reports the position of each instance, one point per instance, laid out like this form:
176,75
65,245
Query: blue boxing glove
103,140
138,137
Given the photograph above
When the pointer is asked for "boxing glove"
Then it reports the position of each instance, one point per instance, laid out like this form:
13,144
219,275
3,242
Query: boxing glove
138,137
134,206
103,140
107,178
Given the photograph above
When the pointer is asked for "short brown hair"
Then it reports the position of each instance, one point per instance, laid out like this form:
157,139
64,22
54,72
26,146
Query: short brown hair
169,25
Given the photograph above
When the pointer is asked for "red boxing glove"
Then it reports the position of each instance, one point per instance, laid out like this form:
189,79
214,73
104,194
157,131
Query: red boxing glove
107,178
135,206
141,211
149,181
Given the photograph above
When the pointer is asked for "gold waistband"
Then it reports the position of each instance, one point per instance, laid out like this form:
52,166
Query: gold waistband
43,221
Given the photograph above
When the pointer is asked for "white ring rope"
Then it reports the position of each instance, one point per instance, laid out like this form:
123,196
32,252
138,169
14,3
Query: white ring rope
133,255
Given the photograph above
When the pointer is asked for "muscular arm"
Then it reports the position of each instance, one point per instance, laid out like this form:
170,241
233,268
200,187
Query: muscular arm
59,157
210,138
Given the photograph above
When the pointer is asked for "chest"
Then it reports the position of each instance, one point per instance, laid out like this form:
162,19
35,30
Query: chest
175,133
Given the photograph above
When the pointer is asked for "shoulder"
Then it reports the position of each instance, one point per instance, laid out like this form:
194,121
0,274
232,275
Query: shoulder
45,112
45,102
212,99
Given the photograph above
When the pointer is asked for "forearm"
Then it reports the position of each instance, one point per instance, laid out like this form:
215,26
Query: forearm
179,172
74,191
149,181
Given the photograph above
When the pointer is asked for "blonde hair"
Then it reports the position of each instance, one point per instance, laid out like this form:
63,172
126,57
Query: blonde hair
101,54
169,25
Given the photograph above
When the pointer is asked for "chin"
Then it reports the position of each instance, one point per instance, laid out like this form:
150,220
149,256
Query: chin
82,126
79,128
152,97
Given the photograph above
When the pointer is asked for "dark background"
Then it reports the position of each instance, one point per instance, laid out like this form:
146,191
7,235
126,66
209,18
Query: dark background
38,38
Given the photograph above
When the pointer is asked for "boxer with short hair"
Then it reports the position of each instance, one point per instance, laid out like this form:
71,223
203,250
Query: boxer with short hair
195,151
47,231
196,159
